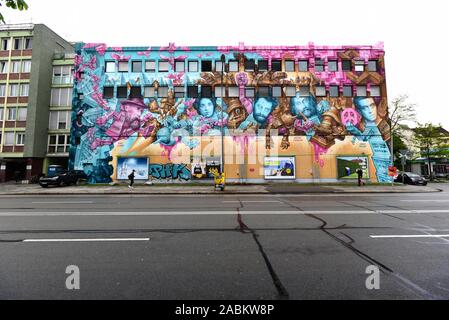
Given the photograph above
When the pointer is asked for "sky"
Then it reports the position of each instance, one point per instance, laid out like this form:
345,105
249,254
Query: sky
415,33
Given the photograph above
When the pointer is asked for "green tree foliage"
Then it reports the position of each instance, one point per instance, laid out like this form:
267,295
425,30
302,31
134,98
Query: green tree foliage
13,4
400,110
398,145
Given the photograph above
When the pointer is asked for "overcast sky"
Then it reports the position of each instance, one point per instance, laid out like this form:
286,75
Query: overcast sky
415,33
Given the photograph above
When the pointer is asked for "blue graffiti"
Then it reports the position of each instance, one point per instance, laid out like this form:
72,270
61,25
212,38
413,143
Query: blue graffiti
170,171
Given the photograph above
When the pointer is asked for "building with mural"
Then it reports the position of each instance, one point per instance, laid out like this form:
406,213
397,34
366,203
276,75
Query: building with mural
289,113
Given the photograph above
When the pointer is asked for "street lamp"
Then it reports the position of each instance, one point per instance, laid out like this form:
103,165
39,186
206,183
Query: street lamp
222,115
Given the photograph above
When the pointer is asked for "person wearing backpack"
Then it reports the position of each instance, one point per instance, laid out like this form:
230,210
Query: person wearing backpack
131,179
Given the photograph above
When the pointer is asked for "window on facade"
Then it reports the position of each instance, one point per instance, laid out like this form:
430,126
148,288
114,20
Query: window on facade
192,91
20,139
179,66
290,91
122,92
1,114
372,65
123,66
233,66
206,91
303,65
149,92
63,75
359,66
276,65
250,92
218,91
262,65
361,91
15,66
136,66
332,65
319,65
2,90
59,120
304,91
5,44
162,92
193,66
233,92
250,65
333,91
4,67
61,97
110,66
347,91
276,91
12,114
179,92
28,43
136,92
58,143
320,91
9,138
108,92
22,114
24,90
218,66
263,92
13,90
206,65
26,66
289,66
163,66
374,91
18,44
150,66
346,65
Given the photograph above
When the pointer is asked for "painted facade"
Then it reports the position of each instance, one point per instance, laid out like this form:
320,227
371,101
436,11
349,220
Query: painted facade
302,113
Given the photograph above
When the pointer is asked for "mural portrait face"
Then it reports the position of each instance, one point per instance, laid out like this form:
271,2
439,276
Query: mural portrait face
367,108
164,136
305,105
263,108
206,107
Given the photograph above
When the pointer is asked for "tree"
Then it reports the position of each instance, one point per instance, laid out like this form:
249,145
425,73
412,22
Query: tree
401,110
432,141
13,4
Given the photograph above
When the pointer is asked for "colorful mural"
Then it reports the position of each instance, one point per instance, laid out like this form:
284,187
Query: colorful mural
160,102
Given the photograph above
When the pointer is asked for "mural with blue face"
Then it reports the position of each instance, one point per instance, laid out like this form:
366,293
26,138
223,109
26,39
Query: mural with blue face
263,107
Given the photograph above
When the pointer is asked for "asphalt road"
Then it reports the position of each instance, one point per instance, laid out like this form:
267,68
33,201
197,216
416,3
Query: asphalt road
315,246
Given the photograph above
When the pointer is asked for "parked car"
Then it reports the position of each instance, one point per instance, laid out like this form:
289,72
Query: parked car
411,178
66,178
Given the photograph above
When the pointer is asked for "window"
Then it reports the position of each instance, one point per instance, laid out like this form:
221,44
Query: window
304,91
9,138
25,90
63,75
4,67
193,66
361,91
372,65
59,120
108,92
276,65
136,92
15,66
20,139
233,92
250,65
18,44
192,91
346,65
276,91
179,92
290,91
162,92
289,66
250,92
123,66
179,66
332,65
206,92
233,66
5,44
374,91
28,43
359,66
61,97
136,66
264,91
150,66
1,114
206,65
333,91
303,65
218,90
347,91
122,92
62,120
22,114
263,65
2,90
219,66
12,114
58,143
26,66
149,92
14,90
320,91
163,66
319,65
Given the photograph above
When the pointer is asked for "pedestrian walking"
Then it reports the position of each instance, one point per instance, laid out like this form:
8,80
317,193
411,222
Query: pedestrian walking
131,179
359,177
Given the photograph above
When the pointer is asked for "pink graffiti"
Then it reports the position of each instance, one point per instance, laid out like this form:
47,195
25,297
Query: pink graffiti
242,80
120,57
319,150
169,149
350,115
176,78
303,126
118,49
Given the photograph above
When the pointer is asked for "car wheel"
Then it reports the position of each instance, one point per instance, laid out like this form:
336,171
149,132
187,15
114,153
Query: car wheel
44,186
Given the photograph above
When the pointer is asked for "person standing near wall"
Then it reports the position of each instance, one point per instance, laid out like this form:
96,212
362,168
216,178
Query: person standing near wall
131,179
359,177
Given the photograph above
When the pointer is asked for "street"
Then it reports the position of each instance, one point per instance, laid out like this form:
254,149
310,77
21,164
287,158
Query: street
268,246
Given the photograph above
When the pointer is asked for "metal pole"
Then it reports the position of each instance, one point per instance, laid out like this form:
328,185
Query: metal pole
392,153
222,116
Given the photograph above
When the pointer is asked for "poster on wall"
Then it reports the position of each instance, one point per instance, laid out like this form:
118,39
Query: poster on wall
277,168
347,167
125,166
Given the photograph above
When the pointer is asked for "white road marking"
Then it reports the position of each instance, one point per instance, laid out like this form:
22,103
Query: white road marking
411,236
251,201
62,202
429,200
86,240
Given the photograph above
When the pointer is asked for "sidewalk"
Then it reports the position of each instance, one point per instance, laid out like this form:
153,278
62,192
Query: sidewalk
33,189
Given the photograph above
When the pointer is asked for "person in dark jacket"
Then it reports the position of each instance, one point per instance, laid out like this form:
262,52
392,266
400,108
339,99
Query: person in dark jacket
360,176
131,179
